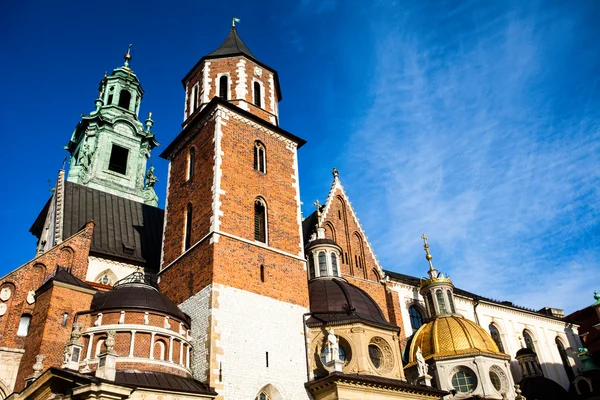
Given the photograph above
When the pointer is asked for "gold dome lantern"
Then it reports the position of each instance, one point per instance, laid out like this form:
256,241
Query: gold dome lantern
450,336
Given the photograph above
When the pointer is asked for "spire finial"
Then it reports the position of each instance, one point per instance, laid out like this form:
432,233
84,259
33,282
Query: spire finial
234,20
335,173
128,55
432,271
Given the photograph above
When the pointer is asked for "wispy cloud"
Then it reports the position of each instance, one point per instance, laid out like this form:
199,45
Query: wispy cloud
472,139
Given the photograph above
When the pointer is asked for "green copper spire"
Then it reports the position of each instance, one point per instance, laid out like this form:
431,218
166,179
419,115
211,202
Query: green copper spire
110,146
597,298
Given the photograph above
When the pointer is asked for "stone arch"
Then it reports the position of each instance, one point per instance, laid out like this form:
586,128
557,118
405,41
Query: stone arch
67,254
270,392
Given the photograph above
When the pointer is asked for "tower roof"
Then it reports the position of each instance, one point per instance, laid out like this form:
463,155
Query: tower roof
232,45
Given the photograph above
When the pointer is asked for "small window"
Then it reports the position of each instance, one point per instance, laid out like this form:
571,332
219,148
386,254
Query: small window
118,159
495,379
441,301
187,241
257,94
159,350
375,355
311,267
260,157
325,353
416,319
260,221
195,98
495,333
262,273
24,325
223,86
334,264
65,319
339,214
191,163
124,99
528,341
105,280
322,264
464,380
450,302
430,304
110,99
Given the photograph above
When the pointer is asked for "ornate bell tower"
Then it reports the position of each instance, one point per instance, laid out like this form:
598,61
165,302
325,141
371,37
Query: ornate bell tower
233,255
110,146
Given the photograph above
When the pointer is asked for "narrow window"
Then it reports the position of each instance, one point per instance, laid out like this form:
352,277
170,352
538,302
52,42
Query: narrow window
191,163
450,302
565,359
528,341
334,266
257,95
322,264
195,99
311,266
495,333
124,99
416,319
187,241
118,159
339,214
65,319
260,157
441,302
267,358
346,258
430,304
223,83
24,325
260,221
262,273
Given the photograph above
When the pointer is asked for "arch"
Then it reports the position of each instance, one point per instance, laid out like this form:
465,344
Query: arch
187,237
159,350
416,318
191,163
564,358
100,346
359,254
106,277
528,338
495,334
375,274
67,254
260,157
224,87
125,99
257,89
260,220
269,392
329,229
322,264
39,273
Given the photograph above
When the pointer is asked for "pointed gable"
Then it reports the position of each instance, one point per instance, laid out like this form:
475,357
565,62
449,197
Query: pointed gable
342,225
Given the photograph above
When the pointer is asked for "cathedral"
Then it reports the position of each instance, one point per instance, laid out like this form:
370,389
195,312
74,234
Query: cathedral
228,293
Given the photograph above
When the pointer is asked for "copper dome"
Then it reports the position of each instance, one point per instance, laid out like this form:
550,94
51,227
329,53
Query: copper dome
335,301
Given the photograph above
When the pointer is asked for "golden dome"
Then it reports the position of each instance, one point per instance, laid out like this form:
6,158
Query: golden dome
452,335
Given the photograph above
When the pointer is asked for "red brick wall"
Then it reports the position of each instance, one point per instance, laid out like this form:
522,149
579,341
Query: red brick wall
32,274
47,336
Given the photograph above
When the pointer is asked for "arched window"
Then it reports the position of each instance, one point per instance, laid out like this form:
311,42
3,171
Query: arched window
223,86
441,301
430,304
195,98
528,341
124,99
260,157
495,333
99,346
322,264
260,220
450,302
24,325
416,319
257,94
191,163
159,350
187,240
334,264
565,359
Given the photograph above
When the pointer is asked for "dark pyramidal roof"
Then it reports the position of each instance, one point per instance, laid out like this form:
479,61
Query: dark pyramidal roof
232,45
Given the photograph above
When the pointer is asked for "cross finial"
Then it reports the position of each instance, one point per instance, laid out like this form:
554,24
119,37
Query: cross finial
335,173
428,256
128,55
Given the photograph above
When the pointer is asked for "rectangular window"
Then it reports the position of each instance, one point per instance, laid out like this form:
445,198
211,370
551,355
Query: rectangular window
118,159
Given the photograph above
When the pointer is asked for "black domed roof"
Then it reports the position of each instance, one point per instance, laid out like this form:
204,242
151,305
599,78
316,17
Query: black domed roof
137,292
525,351
318,242
539,387
334,300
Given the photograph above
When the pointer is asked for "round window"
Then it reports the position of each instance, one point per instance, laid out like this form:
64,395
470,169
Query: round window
464,380
496,382
325,352
375,355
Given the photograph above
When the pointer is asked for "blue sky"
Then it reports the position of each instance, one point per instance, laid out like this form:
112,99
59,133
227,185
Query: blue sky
476,122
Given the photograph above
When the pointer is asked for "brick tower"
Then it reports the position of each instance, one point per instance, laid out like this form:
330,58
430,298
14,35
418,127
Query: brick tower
232,249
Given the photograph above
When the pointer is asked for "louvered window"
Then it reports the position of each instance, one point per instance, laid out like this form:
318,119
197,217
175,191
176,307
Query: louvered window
260,221
223,83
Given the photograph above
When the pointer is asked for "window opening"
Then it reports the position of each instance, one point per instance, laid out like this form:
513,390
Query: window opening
262,273
322,264
416,319
260,159
263,396
496,382
110,99
430,304
450,302
528,341
257,94
65,319
118,159
339,214
188,228
223,83
463,381
191,162
124,99
441,302
24,325
375,355
195,99
267,358
565,359
260,223
334,265
105,280
325,353
496,336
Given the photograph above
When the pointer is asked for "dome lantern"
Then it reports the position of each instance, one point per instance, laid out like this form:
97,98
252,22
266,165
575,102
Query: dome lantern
438,289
